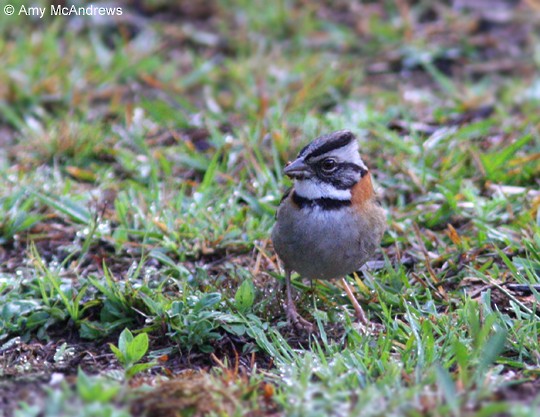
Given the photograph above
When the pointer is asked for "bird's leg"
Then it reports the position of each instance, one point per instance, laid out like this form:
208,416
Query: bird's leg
360,315
367,326
292,315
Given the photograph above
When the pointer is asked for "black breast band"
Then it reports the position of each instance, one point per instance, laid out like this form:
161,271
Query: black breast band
322,202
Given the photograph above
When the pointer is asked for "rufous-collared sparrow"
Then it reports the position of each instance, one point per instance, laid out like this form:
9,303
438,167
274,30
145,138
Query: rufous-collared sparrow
330,222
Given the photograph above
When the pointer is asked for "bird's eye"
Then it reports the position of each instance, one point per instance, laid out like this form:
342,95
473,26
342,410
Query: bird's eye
328,165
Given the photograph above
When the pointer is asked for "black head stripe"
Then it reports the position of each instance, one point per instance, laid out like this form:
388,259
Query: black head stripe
322,202
328,143
303,151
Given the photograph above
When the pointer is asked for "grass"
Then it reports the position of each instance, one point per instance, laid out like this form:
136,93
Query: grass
141,170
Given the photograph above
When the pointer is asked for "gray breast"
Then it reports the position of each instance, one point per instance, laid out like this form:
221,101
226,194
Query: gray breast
323,244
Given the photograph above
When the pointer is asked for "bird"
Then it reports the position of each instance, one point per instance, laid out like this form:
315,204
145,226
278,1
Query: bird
330,222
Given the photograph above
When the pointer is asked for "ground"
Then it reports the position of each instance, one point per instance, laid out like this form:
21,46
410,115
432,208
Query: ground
141,165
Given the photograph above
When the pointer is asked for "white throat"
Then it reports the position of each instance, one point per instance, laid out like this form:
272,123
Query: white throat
312,189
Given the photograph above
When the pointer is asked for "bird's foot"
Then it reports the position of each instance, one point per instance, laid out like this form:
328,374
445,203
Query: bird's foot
369,328
298,322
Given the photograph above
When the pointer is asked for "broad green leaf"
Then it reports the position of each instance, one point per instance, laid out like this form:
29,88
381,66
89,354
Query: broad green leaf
119,355
208,300
124,340
245,296
135,369
137,348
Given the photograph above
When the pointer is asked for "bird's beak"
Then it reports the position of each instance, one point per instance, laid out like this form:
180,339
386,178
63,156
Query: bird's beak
297,169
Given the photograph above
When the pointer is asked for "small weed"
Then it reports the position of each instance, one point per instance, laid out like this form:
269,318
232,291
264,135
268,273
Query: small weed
130,351
93,396
16,215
